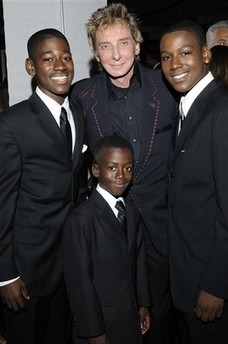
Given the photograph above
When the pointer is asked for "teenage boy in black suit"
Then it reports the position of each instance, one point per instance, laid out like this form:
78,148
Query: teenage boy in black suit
39,182
198,191
105,264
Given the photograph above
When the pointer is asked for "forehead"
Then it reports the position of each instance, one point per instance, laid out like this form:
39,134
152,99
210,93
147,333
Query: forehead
117,154
178,39
117,29
221,33
51,45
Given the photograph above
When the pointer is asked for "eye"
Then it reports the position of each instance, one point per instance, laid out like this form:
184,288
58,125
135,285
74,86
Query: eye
112,168
185,53
47,59
105,47
124,43
165,57
128,168
67,58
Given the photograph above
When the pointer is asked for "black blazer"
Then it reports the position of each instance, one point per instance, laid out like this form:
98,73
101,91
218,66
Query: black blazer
150,182
198,201
105,273
38,186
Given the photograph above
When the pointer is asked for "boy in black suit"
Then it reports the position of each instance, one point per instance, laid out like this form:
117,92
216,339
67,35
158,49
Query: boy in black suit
198,188
104,260
40,175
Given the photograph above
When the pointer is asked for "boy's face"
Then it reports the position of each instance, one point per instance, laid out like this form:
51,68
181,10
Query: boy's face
53,68
183,60
114,170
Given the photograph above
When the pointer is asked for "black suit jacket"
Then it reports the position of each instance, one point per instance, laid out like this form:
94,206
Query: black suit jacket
105,273
150,182
198,204
38,186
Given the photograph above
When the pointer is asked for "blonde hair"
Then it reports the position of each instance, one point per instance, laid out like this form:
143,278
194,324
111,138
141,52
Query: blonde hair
109,15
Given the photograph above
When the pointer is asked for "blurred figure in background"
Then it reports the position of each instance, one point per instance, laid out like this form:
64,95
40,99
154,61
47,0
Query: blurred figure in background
217,34
218,64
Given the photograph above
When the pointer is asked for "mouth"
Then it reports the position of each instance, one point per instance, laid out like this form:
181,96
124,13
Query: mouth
60,78
121,185
179,77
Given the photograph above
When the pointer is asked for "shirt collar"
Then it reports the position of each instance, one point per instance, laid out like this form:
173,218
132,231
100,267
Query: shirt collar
53,105
110,199
189,98
136,78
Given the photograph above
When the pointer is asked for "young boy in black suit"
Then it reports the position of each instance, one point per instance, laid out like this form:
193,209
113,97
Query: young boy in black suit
105,265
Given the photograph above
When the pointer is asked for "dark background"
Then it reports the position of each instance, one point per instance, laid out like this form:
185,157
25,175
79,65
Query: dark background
155,15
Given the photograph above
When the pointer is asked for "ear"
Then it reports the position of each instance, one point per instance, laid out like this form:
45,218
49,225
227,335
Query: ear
95,170
29,66
137,49
206,54
96,56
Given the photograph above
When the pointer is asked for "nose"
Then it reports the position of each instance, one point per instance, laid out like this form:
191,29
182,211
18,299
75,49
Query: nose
119,173
59,64
116,53
176,63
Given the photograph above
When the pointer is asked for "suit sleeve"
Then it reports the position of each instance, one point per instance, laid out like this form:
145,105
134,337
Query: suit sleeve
215,275
10,175
143,294
85,305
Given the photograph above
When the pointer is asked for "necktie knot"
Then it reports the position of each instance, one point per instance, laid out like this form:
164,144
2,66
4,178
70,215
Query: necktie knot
65,128
120,207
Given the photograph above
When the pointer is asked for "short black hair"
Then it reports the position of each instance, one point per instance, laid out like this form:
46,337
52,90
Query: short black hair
110,141
42,35
189,26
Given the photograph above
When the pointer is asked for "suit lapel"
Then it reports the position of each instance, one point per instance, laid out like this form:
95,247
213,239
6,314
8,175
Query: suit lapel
106,213
79,132
100,91
48,123
196,113
150,115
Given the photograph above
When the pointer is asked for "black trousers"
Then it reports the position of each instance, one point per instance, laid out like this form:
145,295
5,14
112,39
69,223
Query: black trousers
163,317
45,320
195,331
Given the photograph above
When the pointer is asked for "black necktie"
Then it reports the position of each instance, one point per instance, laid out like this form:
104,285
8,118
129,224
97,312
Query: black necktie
182,116
121,215
65,128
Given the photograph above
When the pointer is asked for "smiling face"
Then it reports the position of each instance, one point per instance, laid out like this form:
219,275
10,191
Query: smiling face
53,68
183,60
114,170
116,49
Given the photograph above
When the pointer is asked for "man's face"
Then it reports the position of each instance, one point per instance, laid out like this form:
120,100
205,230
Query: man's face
220,37
183,60
116,50
53,68
114,170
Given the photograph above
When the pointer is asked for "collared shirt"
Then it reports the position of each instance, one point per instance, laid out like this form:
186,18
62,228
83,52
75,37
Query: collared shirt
55,109
111,200
125,106
190,97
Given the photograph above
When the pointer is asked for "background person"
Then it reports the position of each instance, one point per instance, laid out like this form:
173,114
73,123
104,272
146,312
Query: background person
218,64
217,34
